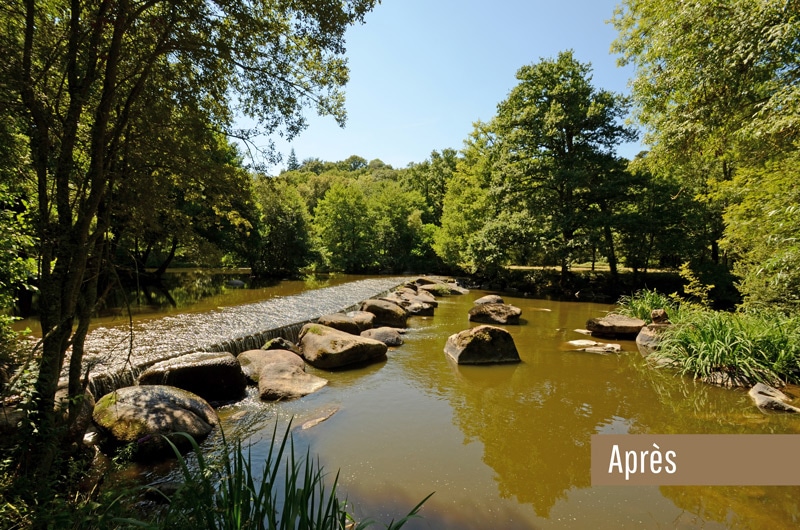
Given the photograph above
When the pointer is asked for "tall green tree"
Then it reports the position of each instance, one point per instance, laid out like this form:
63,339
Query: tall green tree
762,233
557,134
75,72
716,88
712,77
430,178
345,229
282,242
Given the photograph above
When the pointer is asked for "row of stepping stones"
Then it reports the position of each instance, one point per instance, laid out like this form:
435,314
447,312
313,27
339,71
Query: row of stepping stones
173,396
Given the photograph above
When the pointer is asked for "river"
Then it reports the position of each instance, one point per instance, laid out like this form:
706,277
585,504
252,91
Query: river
509,446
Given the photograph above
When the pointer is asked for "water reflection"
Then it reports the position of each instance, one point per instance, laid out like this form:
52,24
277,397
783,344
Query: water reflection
508,446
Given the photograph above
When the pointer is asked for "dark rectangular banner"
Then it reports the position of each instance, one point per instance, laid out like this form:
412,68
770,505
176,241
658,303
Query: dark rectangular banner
696,459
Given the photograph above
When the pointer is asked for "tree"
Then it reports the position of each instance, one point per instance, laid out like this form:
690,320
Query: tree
292,164
761,234
466,203
430,178
718,78
716,88
283,244
400,234
345,229
557,134
76,71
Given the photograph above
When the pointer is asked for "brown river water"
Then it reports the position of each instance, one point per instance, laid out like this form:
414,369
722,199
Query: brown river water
508,446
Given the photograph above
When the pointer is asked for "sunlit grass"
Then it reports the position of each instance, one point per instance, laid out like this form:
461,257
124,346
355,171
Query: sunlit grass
642,303
748,347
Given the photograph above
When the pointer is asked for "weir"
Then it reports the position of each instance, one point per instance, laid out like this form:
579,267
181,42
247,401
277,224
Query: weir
115,356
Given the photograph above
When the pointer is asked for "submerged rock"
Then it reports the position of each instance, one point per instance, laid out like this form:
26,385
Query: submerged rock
769,398
594,347
150,413
214,376
490,299
280,374
328,348
614,325
495,313
482,345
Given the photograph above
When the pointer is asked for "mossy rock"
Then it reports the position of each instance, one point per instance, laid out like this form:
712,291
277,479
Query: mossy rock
149,414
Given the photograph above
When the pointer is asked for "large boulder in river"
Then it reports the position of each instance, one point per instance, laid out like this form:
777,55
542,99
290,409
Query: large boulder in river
388,336
148,414
341,322
214,376
411,303
363,319
495,314
328,348
649,338
280,343
482,345
614,325
280,374
442,289
386,313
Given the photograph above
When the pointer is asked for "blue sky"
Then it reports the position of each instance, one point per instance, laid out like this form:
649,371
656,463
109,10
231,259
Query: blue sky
423,71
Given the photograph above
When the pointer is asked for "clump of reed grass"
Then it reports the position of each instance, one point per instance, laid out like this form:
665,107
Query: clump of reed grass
289,493
643,302
747,347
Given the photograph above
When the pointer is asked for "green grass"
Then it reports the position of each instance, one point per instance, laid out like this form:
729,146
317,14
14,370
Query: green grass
640,304
748,347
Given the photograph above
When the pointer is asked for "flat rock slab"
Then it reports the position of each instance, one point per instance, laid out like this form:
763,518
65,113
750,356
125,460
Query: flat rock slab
328,348
280,374
495,314
490,299
146,414
214,376
772,399
614,325
482,345
593,346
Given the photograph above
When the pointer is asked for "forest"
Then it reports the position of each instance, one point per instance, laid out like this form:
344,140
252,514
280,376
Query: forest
120,153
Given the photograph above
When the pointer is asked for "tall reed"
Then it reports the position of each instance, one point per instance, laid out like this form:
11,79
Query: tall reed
746,347
640,304
289,493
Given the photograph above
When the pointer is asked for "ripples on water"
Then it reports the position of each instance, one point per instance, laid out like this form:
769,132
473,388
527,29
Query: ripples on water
115,353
